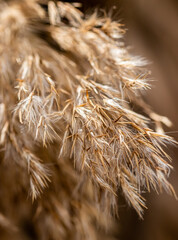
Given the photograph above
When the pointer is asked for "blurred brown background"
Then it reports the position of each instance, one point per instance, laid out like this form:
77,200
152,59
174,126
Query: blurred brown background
153,32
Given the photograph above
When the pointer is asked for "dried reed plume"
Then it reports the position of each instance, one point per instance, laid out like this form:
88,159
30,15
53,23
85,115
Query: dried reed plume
69,136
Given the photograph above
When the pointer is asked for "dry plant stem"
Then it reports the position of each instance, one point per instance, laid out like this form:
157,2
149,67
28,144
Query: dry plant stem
67,82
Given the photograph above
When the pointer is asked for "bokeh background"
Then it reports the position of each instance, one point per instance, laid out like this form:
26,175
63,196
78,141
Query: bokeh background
152,31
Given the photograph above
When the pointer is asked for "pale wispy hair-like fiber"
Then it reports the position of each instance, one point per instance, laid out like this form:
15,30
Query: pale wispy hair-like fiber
69,135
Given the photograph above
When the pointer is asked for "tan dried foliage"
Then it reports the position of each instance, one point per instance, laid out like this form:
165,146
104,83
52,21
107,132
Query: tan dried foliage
67,126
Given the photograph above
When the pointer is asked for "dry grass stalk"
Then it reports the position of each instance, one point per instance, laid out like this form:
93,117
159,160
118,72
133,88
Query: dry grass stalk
67,86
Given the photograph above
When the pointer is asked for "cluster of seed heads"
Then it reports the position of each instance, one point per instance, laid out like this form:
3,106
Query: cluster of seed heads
68,128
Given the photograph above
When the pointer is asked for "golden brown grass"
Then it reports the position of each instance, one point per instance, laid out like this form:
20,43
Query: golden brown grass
67,84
